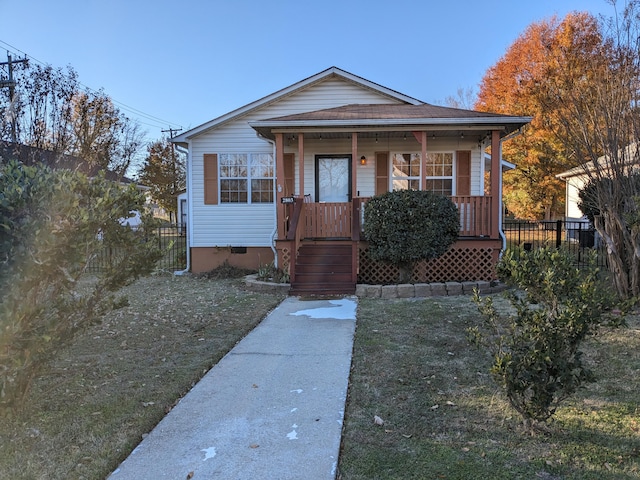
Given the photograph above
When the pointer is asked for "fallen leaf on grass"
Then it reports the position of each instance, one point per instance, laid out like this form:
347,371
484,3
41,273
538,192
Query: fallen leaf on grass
407,436
451,404
377,420
435,407
148,404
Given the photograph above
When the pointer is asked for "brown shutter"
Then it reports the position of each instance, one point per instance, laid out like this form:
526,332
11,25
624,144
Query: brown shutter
382,172
463,173
210,178
289,169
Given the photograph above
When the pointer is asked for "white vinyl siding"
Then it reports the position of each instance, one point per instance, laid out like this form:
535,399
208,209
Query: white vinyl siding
251,225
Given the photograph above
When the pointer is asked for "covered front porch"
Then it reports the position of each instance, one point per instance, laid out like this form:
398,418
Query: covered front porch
329,163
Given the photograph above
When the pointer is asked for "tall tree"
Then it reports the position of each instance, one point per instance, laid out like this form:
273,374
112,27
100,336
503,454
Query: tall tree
54,113
516,85
44,107
164,171
464,98
599,126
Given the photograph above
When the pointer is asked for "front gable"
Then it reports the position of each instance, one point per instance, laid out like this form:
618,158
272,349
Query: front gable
328,89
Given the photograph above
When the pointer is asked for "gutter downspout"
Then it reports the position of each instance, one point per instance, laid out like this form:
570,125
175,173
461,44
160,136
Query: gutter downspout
274,233
500,230
189,212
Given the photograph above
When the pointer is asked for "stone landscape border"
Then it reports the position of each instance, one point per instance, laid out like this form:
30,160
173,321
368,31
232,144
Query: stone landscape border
408,290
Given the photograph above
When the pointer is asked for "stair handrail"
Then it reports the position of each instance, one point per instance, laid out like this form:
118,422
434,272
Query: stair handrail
295,234
356,227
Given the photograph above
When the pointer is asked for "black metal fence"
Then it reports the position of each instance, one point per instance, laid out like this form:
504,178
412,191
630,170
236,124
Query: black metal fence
172,240
578,237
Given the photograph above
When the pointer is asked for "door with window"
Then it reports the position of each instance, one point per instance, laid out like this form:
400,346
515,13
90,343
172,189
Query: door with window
333,178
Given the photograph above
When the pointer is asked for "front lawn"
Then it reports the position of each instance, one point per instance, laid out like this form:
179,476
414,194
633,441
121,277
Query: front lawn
116,382
444,417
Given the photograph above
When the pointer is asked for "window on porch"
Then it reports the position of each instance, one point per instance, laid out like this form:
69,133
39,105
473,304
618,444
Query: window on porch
439,175
405,171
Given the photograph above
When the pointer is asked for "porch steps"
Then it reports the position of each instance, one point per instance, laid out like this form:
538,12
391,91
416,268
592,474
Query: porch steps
323,269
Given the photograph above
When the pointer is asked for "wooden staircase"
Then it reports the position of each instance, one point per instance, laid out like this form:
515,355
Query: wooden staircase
323,268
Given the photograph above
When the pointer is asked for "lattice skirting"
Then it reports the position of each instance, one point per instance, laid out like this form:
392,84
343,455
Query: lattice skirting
459,264
284,259
466,261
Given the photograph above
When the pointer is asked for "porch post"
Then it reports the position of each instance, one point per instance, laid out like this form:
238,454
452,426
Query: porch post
301,164
280,184
496,172
423,160
354,164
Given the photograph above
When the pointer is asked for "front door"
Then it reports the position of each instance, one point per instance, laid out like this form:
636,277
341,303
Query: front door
333,178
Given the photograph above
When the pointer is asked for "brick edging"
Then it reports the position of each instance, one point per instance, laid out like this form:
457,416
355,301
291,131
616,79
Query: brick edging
409,290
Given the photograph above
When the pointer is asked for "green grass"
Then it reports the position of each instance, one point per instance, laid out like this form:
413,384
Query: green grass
444,417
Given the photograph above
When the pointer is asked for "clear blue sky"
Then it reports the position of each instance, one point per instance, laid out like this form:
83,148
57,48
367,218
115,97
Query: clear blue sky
187,62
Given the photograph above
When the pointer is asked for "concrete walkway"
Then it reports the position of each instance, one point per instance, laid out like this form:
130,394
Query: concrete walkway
272,408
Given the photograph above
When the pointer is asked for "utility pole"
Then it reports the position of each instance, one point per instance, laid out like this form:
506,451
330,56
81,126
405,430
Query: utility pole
11,84
173,165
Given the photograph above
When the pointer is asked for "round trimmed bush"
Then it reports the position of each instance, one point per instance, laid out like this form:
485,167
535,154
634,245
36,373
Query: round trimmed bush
405,226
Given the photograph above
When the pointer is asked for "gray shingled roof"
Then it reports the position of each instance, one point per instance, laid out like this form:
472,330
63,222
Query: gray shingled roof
388,112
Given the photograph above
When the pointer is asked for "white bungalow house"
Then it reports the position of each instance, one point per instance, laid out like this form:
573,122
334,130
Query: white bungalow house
285,179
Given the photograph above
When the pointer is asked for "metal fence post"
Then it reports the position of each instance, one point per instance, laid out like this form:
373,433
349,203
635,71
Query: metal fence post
558,233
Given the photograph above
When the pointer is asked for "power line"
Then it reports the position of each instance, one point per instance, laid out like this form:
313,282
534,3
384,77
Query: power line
159,122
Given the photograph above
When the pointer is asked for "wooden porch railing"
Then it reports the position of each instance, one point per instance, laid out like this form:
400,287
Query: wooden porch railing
475,215
345,220
327,220
336,220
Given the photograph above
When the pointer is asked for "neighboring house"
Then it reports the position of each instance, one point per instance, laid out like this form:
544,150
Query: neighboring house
285,178
576,178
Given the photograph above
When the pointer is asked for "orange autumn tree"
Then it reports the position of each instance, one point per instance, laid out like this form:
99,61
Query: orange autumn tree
516,85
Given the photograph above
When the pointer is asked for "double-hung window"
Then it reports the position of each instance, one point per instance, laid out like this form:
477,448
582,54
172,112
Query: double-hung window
246,178
405,171
439,174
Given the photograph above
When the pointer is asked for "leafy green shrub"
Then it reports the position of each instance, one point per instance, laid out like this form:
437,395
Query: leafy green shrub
536,357
405,226
52,225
